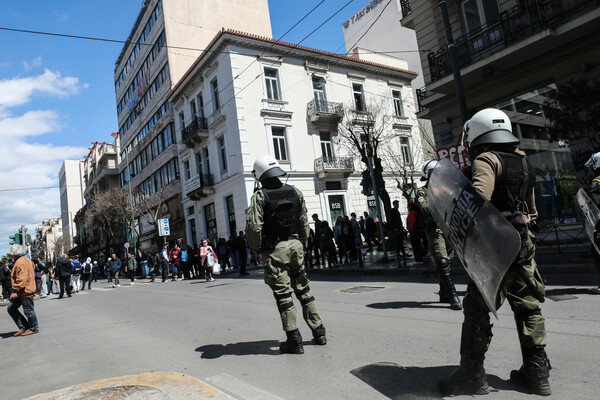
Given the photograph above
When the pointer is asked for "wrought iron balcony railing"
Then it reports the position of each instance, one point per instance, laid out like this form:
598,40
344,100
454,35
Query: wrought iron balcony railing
197,124
326,107
516,24
421,95
339,164
405,7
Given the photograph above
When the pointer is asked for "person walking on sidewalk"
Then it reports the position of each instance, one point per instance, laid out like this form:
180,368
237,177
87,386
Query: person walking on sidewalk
131,267
86,273
22,291
503,176
240,252
164,263
208,258
277,229
439,247
418,240
63,271
115,269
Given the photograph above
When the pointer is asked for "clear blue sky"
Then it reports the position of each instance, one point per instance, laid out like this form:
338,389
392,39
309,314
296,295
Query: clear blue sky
57,94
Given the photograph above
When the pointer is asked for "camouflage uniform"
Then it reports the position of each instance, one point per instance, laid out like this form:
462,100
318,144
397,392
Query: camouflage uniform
283,261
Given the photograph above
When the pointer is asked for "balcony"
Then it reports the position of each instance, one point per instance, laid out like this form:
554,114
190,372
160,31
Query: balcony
199,186
325,112
335,165
195,132
515,24
405,7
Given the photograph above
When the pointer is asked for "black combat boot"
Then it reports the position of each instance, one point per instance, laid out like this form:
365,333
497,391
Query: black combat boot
293,344
533,374
447,289
468,379
319,336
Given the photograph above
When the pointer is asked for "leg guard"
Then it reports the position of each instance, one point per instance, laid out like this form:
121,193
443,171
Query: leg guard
287,310
319,336
447,289
309,305
533,374
293,344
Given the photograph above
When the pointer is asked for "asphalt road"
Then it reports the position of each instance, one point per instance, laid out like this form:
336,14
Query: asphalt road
387,339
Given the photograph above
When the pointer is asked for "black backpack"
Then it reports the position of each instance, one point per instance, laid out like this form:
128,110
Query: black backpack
87,268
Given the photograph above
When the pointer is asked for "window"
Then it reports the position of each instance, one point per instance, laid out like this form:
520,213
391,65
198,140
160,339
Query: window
359,97
398,108
199,163
405,150
210,219
193,109
222,153
186,170
477,13
181,120
205,161
279,145
214,85
200,106
192,228
231,215
272,84
319,93
326,145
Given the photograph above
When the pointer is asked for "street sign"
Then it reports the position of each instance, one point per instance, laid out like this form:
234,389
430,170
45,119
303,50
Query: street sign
163,227
127,245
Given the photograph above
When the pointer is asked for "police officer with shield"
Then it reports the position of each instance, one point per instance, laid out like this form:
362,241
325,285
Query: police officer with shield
502,175
277,229
438,245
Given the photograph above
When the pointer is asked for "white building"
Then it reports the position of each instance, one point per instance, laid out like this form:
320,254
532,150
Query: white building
72,187
247,96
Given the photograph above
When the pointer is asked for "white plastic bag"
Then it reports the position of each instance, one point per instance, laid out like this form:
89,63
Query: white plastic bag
216,269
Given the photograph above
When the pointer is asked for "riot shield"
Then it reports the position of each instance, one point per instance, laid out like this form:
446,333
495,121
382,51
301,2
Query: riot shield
592,217
486,243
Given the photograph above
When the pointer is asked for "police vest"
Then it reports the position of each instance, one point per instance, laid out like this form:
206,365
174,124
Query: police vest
282,210
515,185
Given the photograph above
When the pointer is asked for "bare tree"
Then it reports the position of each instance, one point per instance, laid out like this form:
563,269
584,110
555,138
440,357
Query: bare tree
61,244
149,206
107,213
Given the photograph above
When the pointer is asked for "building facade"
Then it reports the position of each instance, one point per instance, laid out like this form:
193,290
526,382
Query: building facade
166,38
71,183
512,54
247,96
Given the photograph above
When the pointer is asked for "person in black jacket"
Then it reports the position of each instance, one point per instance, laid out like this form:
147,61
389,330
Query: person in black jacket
5,279
64,268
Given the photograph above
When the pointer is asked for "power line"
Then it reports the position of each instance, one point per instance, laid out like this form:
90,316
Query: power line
370,26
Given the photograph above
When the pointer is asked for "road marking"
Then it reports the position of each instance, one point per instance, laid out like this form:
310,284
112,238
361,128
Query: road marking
241,389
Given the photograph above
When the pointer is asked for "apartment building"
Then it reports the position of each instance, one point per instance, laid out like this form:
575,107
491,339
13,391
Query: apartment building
247,96
71,183
166,38
511,55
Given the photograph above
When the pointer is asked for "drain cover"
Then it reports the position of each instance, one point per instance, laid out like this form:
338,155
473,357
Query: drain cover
362,289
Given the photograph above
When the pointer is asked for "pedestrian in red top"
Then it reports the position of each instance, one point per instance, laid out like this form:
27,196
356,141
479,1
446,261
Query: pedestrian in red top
208,258
418,239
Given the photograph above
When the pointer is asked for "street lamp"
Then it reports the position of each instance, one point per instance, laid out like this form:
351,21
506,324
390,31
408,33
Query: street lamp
366,139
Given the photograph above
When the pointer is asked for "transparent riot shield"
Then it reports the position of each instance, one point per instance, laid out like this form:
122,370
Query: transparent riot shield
592,217
486,243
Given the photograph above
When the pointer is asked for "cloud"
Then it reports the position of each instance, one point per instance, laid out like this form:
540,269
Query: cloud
18,91
24,164
35,63
61,16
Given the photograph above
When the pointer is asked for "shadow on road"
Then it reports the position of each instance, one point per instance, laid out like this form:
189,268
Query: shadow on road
265,347
7,335
408,304
408,383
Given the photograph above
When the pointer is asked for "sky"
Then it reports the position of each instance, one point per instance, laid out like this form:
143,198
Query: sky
57,93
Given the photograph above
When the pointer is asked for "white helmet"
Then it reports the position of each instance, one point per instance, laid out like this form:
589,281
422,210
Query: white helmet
266,167
489,126
427,166
594,161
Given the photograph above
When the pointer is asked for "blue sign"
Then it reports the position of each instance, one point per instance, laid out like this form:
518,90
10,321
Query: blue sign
163,227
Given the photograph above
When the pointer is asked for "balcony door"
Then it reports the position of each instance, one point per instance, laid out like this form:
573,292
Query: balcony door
326,146
319,93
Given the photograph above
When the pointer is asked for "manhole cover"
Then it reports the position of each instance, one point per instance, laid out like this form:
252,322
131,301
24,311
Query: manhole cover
362,289
561,297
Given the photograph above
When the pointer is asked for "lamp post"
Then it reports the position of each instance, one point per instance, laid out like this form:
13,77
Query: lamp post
366,139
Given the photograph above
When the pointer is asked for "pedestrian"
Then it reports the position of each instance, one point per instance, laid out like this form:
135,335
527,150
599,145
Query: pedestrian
397,230
22,291
195,259
277,229
64,269
241,252
503,176
115,268
131,267
338,235
439,247
38,278
175,257
5,279
164,263
223,253
76,275
208,258
86,273
152,260
357,239
95,271
416,229
370,231
326,244
318,256
107,271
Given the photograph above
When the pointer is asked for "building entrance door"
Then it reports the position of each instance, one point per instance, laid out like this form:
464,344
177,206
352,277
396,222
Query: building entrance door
336,207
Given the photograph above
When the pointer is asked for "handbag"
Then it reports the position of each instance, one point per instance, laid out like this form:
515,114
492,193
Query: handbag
216,269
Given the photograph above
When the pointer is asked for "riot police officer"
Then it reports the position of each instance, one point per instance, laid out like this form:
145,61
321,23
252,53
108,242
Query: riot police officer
277,229
594,163
502,175
438,245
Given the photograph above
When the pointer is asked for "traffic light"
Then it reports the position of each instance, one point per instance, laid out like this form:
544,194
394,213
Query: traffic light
15,239
367,188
